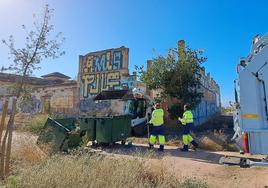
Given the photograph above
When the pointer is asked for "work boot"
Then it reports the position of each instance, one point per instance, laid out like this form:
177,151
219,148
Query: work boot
151,146
185,148
161,148
195,144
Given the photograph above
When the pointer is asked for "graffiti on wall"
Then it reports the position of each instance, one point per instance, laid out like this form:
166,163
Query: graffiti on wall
31,105
101,72
1,104
204,111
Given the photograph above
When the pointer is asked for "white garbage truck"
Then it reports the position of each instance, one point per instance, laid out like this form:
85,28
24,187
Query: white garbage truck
251,94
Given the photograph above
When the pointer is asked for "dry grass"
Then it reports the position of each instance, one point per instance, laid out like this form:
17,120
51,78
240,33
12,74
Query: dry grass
216,141
174,141
30,154
24,149
98,171
28,122
32,124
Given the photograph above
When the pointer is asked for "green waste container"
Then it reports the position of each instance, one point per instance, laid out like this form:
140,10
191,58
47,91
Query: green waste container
68,123
59,134
88,125
113,129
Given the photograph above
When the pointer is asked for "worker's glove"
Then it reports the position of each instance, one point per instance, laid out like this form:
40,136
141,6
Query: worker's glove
179,121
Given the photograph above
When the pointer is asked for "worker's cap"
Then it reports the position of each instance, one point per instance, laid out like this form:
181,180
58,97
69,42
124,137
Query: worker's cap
187,106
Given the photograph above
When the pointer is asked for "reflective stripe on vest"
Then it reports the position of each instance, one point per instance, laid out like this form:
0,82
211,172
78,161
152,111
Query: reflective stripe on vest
157,117
187,117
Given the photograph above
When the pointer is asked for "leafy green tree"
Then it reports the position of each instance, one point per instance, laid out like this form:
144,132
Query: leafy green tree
177,75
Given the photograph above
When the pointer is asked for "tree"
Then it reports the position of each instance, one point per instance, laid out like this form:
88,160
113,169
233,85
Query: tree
177,75
39,45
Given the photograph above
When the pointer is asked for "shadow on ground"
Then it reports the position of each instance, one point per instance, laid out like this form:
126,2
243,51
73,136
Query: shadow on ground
142,150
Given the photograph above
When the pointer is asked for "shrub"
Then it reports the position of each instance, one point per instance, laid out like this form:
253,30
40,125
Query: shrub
12,182
36,123
47,107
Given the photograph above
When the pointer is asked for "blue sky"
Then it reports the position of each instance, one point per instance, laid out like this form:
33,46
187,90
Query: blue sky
224,29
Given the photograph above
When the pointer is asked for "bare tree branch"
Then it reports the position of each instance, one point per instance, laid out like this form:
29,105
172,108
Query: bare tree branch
38,46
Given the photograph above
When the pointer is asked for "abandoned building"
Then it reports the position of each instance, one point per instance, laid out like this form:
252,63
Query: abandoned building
53,93
100,71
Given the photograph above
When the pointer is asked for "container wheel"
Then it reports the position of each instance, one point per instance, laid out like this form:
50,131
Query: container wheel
123,142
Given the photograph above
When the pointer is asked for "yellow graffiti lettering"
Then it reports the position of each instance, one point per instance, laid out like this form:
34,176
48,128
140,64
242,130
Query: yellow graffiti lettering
93,82
104,86
85,85
108,61
88,68
94,89
113,79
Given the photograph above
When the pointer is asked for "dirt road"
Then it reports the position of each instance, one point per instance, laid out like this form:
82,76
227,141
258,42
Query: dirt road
200,164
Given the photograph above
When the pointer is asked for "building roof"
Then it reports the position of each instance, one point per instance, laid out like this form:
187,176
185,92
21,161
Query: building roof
5,77
56,74
12,78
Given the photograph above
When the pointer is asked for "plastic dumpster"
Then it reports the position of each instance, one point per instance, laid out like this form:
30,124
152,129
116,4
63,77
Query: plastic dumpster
113,129
68,123
88,125
59,134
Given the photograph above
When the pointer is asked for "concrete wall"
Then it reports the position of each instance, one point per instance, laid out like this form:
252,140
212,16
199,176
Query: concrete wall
63,99
104,71
211,103
7,92
5,89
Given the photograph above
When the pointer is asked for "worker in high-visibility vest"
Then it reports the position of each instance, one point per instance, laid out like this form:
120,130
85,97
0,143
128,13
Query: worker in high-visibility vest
187,124
158,127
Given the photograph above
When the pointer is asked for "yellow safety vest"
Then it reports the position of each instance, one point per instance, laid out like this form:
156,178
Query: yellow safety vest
157,117
187,117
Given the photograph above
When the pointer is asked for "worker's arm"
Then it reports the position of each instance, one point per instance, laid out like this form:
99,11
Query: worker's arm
182,120
152,119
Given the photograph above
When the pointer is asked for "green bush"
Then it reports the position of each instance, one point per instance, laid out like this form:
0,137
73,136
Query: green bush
47,107
36,124
12,182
